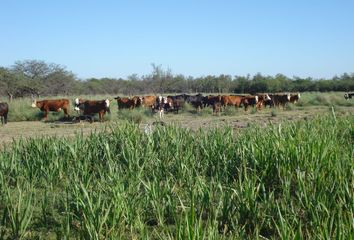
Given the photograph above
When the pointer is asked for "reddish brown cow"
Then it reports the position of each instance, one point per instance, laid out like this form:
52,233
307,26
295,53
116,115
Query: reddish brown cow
127,102
91,107
55,105
149,101
231,100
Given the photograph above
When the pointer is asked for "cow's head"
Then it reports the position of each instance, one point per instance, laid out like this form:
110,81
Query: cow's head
267,98
34,103
288,96
298,94
346,96
77,103
256,98
107,102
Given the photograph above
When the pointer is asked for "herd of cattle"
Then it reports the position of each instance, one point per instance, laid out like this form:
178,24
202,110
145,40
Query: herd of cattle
160,104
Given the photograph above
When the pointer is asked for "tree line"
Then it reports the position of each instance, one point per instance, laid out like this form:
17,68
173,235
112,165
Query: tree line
34,77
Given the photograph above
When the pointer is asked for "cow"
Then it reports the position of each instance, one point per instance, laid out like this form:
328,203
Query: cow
294,98
138,101
4,110
91,107
210,100
249,101
231,100
54,105
176,102
127,102
196,101
217,108
160,105
348,96
280,99
263,99
148,101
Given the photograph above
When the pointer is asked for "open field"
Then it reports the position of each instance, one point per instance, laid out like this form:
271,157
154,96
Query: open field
25,121
287,181
272,174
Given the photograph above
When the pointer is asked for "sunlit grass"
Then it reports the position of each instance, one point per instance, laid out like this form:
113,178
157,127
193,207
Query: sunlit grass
292,180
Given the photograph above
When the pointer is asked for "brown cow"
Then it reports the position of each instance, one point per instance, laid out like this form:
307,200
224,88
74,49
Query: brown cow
91,107
148,101
55,105
124,102
280,99
4,110
231,100
217,108
137,101
294,98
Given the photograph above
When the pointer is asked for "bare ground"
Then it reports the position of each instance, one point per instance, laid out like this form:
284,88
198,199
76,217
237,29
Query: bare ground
239,119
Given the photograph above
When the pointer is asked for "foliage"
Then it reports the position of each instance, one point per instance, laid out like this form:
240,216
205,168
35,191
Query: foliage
53,79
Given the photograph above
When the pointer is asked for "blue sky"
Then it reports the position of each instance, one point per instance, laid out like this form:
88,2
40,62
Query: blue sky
197,38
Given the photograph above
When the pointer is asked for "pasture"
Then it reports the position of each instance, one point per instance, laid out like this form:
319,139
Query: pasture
257,175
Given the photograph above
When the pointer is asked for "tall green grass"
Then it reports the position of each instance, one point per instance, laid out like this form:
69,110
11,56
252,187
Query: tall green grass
293,180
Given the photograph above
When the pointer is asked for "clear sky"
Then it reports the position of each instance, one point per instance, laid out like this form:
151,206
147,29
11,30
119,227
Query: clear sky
192,37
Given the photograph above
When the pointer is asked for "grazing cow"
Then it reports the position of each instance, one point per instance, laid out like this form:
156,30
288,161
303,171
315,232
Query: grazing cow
263,99
127,102
348,96
148,101
91,107
4,110
55,105
294,98
196,101
280,99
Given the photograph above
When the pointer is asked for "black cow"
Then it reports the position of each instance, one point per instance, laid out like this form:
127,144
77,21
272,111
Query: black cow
348,96
175,102
4,110
196,101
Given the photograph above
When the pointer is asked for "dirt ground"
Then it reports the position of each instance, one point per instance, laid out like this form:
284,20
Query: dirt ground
240,119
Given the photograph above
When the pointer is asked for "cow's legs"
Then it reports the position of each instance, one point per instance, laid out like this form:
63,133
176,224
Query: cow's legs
5,118
46,115
65,112
2,119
